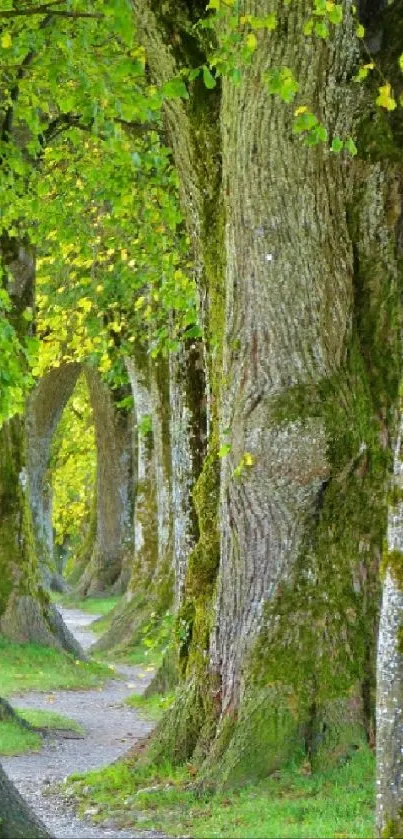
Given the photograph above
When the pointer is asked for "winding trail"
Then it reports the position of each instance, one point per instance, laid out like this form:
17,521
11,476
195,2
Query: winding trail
111,728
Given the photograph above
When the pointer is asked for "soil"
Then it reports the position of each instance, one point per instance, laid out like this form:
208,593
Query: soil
111,728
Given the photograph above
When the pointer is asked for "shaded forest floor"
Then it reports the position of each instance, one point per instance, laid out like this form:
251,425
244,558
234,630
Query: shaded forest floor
123,799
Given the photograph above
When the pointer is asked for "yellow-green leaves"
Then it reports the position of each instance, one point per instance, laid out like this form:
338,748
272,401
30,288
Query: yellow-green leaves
246,462
282,83
307,124
385,99
324,14
363,71
6,40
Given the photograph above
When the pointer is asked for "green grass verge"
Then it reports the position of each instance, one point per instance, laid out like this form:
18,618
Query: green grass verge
49,719
151,707
15,740
31,667
103,606
92,605
336,804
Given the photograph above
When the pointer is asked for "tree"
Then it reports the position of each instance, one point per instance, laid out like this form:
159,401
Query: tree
280,604
17,821
113,545
35,44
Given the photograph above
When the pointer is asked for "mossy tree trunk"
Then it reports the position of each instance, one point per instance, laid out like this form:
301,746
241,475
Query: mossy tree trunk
150,587
112,549
45,406
25,611
188,441
284,578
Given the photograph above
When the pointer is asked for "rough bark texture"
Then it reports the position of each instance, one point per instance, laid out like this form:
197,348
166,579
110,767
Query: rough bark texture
107,568
17,821
389,712
25,612
150,588
188,436
305,388
44,408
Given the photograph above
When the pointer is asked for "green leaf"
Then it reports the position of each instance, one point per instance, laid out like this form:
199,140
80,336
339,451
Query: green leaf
351,146
321,29
224,450
337,145
208,78
282,83
175,89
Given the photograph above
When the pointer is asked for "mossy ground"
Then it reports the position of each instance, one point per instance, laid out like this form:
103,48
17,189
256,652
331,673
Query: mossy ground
291,803
15,740
31,667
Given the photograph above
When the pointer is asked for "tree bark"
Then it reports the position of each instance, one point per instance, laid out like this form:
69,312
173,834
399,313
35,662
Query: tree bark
25,611
301,391
188,436
45,406
389,751
17,821
107,568
151,570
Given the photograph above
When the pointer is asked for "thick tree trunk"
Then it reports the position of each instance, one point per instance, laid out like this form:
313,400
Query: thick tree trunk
25,611
150,586
304,397
107,568
17,821
44,408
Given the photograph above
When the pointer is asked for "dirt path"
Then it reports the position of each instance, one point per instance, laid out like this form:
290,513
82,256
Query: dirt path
111,728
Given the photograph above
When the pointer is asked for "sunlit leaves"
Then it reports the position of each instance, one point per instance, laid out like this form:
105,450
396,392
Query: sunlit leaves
282,83
385,99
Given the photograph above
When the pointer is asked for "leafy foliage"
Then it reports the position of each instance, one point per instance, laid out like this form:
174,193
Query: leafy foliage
72,466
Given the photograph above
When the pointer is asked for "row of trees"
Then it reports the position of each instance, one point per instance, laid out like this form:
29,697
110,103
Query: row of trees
267,415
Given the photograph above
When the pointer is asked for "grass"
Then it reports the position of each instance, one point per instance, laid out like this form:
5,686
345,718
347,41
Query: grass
150,707
290,804
49,720
103,606
31,667
15,740
92,605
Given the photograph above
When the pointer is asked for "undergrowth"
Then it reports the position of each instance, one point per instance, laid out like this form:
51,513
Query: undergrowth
289,804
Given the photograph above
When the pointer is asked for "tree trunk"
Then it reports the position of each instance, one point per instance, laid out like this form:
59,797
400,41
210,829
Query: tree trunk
45,406
150,585
17,821
304,395
25,611
107,569
188,436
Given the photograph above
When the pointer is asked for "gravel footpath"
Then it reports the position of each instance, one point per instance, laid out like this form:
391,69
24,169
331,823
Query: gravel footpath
111,728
